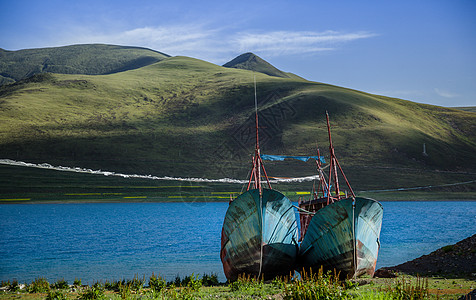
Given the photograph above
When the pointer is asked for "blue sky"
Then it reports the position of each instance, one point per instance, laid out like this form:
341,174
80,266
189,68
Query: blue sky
424,51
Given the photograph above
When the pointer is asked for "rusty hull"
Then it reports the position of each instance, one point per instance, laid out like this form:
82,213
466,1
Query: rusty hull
259,230
344,237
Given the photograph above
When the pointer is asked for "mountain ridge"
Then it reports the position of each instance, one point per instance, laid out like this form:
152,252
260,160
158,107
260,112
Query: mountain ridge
90,59
252,62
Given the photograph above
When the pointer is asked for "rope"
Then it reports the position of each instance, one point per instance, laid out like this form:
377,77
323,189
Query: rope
305,212
422,187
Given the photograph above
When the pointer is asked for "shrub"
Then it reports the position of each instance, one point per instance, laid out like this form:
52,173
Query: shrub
14,286
77,282
112,286
125,290
39,285
194,284
136,284
96,291
60,284
209,280
177,282
157,283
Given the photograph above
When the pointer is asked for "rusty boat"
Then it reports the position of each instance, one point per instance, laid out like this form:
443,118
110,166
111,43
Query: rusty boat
339,231
260,232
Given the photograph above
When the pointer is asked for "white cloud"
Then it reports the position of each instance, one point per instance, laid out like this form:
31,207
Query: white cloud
219,44
445,94
295,42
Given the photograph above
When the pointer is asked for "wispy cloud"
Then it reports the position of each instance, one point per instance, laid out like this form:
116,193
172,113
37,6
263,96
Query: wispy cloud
445,94
216,44
295,42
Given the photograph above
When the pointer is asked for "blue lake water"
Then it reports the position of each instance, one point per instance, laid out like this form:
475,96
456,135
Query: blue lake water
113,241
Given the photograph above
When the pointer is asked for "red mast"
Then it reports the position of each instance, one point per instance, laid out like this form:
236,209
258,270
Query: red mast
334,164
257,161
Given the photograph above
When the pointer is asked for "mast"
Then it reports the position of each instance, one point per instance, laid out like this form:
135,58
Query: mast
334,164
257,161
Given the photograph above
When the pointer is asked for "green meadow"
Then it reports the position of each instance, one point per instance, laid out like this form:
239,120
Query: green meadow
185,117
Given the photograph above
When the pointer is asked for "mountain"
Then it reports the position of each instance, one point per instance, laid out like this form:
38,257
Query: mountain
186,117
94,59
252,62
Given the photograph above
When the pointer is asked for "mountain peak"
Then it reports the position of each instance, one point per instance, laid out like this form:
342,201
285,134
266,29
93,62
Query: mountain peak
252,62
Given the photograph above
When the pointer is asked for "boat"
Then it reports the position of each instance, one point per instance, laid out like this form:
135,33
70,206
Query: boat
339,231
260,233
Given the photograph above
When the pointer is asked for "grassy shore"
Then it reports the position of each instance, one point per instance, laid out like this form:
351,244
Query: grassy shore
33,185
192,287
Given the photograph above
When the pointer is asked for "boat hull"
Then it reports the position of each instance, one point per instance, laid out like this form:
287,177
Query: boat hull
344,236
259,235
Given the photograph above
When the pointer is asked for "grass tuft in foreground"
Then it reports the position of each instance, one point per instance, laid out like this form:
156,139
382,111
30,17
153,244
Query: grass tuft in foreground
309,285
318,285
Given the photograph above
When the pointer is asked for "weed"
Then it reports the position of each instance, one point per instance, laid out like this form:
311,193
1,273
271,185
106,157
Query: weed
55,295
125,290
39,285
194,284
96,291
157,283
77,282
247,285
210,280
372,295
316,286
280,282
136,284
14,286
404,290
60,284
177,282
112,286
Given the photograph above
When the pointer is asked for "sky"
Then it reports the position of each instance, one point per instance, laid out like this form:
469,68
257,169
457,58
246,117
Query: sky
418,50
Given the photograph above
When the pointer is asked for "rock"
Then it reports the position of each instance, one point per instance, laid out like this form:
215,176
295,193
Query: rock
458,259
384,273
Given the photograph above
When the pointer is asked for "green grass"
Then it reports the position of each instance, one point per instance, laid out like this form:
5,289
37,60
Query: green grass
325,286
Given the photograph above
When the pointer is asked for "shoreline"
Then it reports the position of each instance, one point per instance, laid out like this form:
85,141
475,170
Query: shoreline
102,201
387,281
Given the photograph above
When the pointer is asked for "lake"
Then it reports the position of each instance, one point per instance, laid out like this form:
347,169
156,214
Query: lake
113,241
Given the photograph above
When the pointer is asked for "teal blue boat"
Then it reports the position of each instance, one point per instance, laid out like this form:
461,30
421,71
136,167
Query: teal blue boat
339,231
260,232
344,236
259,235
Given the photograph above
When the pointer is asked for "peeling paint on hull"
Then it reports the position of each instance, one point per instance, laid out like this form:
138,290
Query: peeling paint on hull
343,237
259,232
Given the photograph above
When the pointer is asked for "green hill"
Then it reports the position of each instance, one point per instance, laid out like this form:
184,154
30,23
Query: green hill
468,108
91,59
252,62
190,118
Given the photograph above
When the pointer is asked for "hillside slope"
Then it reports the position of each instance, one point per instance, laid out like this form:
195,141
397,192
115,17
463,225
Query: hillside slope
91,59
186,117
